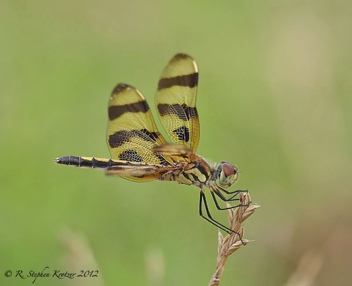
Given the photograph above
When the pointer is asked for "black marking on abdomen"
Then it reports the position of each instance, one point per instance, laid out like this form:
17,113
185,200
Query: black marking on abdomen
87,163
84,162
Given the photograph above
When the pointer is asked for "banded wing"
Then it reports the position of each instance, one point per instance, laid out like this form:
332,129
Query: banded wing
175,101
132,134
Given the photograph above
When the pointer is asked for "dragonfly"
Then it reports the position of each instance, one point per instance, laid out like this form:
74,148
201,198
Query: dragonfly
140,153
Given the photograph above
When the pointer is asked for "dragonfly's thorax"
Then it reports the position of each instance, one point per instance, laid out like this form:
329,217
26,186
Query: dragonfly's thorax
197,173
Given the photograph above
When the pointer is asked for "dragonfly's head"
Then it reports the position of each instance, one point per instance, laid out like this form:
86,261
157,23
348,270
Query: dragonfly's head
226,174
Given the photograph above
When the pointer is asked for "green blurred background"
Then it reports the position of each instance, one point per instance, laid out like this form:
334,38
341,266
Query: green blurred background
274,98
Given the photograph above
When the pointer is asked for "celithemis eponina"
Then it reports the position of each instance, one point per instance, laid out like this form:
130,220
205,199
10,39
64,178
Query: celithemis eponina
141,154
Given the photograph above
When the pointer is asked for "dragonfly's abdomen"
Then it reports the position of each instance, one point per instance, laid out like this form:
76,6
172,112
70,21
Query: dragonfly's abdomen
85,162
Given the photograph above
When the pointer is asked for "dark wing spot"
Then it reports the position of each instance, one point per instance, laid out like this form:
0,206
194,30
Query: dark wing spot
121,137
152,135
182,133
120,88
180,56
162,160
191,112
130,155
116,111
183,111
190,80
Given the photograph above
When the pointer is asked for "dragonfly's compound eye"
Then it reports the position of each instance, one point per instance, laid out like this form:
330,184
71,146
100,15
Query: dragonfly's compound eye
228,175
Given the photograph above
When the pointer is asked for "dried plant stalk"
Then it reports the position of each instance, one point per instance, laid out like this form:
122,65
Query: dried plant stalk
232,242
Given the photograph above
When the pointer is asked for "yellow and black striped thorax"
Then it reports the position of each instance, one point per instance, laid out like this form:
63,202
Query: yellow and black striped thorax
197,173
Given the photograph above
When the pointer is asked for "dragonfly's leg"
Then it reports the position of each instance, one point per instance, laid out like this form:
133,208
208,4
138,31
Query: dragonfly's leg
210,218
217,190
224,199
234,193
